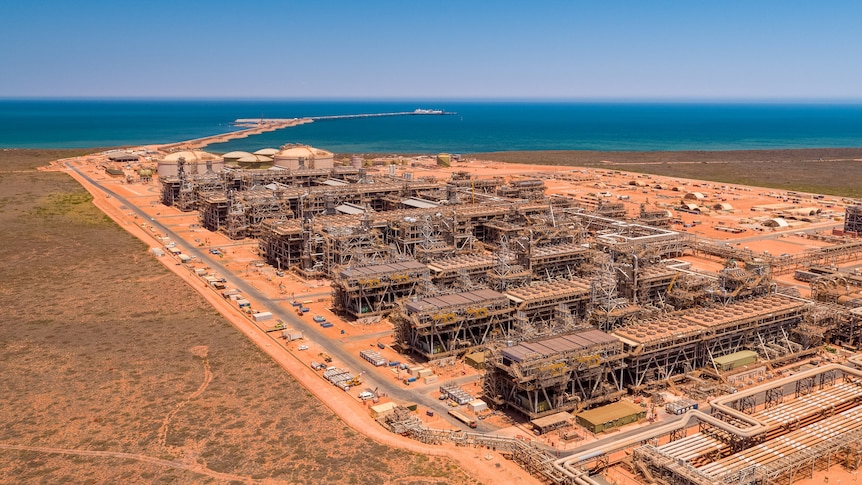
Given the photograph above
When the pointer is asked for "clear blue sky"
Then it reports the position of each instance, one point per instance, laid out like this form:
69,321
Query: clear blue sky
432,49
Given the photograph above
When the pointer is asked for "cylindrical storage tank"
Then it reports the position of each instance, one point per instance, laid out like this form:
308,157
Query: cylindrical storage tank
302,156
392,169
195,162
166,168
356,161
231,158
267,152
254,162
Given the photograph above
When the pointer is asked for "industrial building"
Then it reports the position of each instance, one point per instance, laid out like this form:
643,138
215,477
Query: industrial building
373,290
561,373
610,416
853,220
451,324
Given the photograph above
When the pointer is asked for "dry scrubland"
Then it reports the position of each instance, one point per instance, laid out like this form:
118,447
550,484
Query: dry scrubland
835,171
102,348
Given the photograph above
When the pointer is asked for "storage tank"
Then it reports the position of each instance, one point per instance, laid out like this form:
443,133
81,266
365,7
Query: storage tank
196,161
230,158
302,156
251,161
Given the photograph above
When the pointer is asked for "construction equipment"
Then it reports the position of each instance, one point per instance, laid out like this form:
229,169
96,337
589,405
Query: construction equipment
670,286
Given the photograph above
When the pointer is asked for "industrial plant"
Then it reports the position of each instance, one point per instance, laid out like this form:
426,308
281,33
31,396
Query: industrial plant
570,303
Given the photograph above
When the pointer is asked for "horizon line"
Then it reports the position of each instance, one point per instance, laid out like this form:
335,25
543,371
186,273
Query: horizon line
585,100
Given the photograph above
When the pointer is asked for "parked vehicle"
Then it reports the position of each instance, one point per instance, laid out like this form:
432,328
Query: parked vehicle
463,418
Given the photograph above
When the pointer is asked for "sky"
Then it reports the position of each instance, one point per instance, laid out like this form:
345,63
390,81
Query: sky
579,50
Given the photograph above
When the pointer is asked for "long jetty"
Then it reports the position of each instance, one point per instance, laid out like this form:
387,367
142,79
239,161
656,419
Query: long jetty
266,121
249,129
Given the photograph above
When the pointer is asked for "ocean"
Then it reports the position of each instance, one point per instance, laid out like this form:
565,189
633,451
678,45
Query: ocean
476,126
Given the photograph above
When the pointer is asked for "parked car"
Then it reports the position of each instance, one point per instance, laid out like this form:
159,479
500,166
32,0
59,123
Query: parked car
319,319
303,347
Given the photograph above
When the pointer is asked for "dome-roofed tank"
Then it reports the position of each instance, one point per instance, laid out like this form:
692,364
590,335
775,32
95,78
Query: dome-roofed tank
252,161
302,156
196,161
267,152
230,158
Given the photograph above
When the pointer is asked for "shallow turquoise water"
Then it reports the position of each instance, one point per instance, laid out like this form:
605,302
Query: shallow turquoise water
477,127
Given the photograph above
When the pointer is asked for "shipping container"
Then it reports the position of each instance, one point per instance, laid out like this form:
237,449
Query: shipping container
262,316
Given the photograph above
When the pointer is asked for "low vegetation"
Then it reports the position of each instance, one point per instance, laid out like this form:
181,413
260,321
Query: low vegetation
834,171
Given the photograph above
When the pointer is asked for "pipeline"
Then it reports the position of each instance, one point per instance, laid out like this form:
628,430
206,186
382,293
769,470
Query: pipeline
567,464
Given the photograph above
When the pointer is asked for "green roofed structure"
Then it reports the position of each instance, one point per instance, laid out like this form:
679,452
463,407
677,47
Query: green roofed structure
611,416
734,360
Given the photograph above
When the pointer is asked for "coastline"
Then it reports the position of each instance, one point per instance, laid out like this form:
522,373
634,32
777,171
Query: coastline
588,157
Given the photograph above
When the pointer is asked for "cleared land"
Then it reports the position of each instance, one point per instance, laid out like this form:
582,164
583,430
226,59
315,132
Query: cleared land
115,371
835,171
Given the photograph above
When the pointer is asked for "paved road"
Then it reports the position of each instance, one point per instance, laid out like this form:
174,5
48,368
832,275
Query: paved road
332,347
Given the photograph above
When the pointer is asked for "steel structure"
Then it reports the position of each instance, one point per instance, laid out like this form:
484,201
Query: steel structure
772,434
687,340
560,373
452,324
853,220
374,290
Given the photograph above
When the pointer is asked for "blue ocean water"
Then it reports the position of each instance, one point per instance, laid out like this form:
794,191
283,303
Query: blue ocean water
477,127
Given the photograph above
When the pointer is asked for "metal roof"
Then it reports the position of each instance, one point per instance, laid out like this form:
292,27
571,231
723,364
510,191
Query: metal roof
611,412
352,209
557,345
446,301
376,269
734,357
551,420
419,203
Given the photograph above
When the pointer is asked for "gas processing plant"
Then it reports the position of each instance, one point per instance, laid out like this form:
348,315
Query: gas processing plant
570,303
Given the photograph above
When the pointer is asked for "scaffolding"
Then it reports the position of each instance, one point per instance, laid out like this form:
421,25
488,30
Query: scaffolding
452,324
506,274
